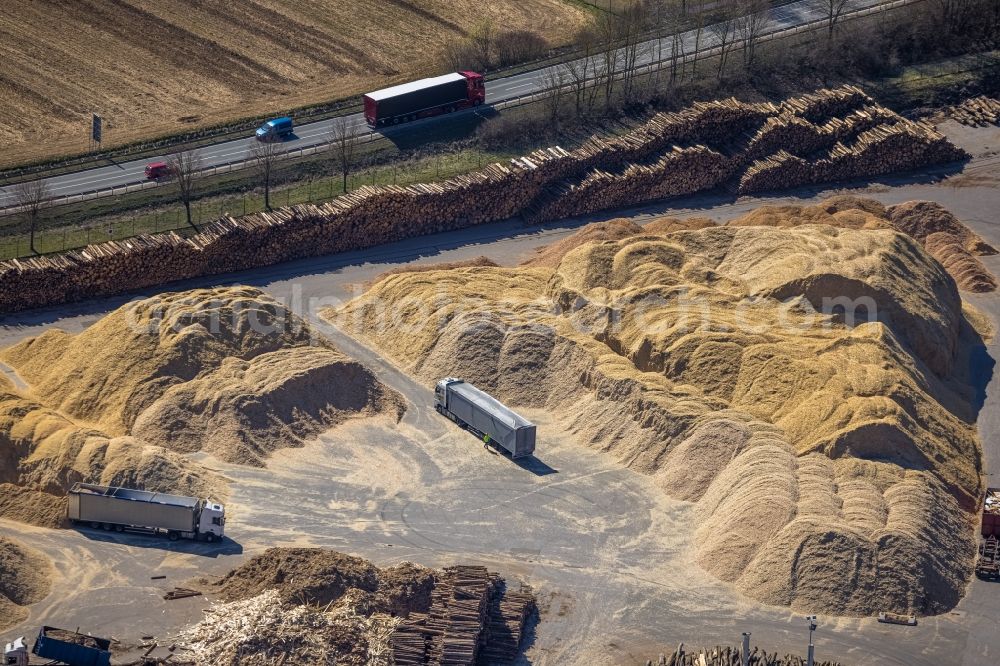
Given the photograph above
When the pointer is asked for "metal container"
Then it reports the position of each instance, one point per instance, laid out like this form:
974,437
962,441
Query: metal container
89,503
74,649
486,416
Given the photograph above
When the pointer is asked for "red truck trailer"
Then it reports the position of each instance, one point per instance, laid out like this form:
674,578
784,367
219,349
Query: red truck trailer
424,98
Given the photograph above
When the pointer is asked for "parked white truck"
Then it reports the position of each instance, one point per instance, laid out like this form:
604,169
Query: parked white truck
123,509
484,415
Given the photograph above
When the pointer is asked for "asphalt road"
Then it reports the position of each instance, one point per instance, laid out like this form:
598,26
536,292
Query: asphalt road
499,90
605,550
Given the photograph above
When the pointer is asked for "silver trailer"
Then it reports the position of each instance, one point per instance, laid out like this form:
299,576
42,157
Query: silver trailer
486,416
128,509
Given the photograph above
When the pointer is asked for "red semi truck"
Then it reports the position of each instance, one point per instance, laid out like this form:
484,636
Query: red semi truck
424,98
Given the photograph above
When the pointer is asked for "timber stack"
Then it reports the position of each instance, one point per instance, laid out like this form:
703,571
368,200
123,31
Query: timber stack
746,148
472,619
979,111
730,656
510,613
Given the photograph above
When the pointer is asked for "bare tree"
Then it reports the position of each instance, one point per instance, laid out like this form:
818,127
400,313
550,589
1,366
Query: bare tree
631,22
699,14
517,46
343,141
582,72
608,31
554,82
483,42
751,25
675,22
834,9
458,55
957,16
184,168
31,196
724,30
265,154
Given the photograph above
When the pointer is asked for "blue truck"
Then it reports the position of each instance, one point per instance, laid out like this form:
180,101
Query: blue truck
62,647
275,130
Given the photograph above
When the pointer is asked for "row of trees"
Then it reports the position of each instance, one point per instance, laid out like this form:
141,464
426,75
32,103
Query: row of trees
186,166
488,47
614,48
652,46
33,197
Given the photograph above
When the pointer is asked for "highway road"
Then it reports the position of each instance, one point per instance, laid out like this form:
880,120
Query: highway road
116,175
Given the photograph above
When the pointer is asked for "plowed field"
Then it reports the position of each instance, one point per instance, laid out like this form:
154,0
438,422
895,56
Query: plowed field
155,67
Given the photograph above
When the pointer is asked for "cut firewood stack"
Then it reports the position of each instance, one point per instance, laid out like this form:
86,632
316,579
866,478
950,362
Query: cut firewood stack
470,620
745,148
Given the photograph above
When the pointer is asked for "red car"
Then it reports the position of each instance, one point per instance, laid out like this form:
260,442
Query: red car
157,170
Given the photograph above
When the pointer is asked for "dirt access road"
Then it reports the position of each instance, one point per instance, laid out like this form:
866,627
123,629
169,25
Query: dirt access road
605,551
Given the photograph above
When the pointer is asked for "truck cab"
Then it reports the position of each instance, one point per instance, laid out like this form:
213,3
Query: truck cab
275,129
441,393
16,653
476,87
212,521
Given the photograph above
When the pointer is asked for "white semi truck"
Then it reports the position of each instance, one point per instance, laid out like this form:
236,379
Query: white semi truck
123,509
485,416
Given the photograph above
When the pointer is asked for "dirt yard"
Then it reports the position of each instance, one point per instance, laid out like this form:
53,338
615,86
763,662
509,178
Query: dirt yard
154,68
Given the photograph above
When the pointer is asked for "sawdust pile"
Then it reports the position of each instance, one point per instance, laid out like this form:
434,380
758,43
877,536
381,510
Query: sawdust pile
43,452
666,225
949,241
806,386
616,229
317,576
24,580
440,266
549,256
228,371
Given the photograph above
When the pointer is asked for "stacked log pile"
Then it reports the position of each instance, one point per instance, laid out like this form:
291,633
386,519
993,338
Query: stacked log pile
757,147
883,149
680,171
824,103
976,112
472,619
828,135
509,613
730,656
807,138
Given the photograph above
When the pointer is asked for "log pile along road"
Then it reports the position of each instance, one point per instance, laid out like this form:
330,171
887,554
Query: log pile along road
117,175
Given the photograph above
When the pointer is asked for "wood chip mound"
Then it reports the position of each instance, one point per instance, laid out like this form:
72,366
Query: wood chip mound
24,580
806,386
949,241
616,229
318,576
479,261
228,371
